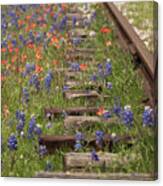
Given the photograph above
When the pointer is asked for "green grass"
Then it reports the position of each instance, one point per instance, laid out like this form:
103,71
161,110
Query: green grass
25,162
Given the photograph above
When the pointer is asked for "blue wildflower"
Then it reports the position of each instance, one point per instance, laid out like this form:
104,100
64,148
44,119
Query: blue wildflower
31,128
74,20
94,156
29,68
42,150
108,68
78,139
117,106
48,80
75,67
38,130
127,116
65,88
76,40
12,142
93,77
25,97
20,126
35,81
99,137
107,115
109,85
148,119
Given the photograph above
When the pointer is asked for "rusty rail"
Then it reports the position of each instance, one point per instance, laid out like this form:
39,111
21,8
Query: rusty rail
132,43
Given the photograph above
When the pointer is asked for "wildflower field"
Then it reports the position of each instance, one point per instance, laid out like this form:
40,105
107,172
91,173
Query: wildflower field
36,57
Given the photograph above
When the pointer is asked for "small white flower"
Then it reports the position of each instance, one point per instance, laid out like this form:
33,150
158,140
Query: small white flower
22,133
147,108
113,135
127,107
92,33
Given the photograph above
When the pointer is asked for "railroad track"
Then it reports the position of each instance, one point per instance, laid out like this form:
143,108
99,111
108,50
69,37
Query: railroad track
80,117
130,41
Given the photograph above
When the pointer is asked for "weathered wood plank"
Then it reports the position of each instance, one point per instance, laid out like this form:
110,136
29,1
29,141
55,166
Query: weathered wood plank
79,55
79,94
75,160
56,142
78,121
71,111
104,176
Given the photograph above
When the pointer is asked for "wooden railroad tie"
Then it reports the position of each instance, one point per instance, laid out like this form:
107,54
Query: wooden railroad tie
71,111
78,121
75,160
55,142
79,94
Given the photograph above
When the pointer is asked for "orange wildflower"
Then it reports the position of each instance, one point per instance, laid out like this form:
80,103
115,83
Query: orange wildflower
100,111
38,56
3,49
6,110
4,62
55,62
83,67
38,68
23,57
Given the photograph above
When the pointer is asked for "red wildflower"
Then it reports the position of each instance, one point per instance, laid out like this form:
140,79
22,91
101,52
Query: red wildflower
105,30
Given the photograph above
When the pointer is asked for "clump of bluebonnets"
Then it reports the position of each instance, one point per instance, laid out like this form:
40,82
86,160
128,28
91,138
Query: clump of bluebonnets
127,116
48,80
94,156
99,138
148,116
12,142
25,96
42,150
79,137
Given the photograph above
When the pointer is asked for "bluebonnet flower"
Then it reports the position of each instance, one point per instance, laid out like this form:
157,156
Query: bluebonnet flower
38,130
65,88
42,150
100,70
107,115
117,106
12,142
148,118
94,156
14,42
31,128
77,146
93,77
78,140
48,166
127,116
29,68
109,85
35,81
74,21
63,22
76,40
49,125
20,126
99,137
20,115
75,67
25,97
108,68
48,80
55,16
